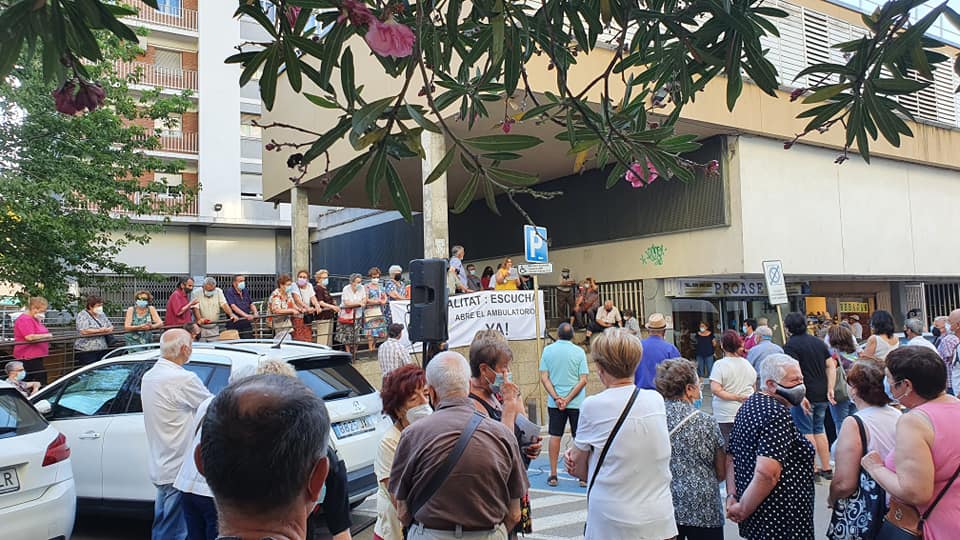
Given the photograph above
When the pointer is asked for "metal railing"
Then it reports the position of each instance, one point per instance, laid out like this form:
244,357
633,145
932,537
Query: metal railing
154,75
176,17
184,142
181,204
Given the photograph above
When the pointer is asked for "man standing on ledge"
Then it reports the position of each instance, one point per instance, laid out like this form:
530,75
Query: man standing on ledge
655,350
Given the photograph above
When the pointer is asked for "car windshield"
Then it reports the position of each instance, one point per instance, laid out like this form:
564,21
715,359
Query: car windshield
332,378
17,416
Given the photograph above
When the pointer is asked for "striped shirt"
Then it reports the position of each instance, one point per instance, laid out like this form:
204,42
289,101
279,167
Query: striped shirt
392,355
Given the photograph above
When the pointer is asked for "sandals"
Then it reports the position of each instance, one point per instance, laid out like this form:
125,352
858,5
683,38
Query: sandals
552,481
583,484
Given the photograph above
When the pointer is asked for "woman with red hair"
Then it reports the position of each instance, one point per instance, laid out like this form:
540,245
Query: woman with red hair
405,400
732,381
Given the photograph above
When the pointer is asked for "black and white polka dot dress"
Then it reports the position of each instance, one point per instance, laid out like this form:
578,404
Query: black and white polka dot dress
763,427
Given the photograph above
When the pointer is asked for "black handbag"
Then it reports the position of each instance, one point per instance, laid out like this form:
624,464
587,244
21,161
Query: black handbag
860,515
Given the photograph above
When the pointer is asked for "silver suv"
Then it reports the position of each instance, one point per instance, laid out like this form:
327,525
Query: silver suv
98,408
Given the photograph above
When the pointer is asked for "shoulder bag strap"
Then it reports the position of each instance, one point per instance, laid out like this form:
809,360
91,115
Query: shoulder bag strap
613,433
677,427
863,435
940,496
440,476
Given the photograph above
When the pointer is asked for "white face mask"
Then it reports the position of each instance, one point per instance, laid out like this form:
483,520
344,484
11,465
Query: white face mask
418,412
41,316
98,310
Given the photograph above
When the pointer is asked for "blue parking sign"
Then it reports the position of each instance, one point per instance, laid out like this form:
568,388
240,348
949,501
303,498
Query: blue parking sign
535,243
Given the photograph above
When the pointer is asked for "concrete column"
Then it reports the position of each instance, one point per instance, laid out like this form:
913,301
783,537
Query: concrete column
436,232
283,252
197,250
299,229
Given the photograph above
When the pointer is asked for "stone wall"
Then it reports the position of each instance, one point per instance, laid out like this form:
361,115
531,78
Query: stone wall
525,371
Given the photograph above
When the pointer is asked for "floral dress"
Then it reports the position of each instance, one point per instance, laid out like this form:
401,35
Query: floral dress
374,320
392,286
279,299
140,337
696,493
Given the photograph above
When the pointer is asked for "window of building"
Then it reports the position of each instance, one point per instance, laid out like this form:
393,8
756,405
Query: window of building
171,127
168,59
250,131
174,182
251,186
169,7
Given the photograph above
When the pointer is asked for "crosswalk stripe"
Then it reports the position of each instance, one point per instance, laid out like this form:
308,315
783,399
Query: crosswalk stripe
545,523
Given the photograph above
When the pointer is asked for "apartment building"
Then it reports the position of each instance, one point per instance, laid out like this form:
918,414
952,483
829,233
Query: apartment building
227,227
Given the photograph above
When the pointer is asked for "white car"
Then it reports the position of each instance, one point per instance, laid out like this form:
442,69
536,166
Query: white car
98,408
37,497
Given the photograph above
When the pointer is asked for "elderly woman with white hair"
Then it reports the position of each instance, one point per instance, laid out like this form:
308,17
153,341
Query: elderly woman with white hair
15,375
395,290
770,483
350,321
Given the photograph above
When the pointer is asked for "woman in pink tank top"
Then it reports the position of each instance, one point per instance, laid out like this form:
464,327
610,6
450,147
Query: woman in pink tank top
926,458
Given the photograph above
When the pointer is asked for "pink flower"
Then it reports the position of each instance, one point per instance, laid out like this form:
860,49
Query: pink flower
71,100
507,124
635,174
713,166
389,38
292,13
358,13
796,94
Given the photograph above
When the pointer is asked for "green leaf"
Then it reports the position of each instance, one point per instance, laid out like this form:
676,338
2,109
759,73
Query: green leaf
538,110
734,88
422,121
325,141
501,156
255,12
375,174
498,26
321,101
490,198
503,143
345,175
398,193
826,68
466,195
510,176
369,114
898,86
292,63
253,65
347,77
268,81
441,167
826,93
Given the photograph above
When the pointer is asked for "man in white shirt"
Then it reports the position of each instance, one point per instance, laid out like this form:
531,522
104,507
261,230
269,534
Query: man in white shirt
913,329
856,327
170,396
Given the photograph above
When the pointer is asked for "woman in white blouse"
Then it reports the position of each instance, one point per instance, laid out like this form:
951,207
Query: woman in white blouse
350,322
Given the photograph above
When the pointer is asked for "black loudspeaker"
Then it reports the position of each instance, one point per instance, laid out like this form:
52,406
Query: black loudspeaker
428,300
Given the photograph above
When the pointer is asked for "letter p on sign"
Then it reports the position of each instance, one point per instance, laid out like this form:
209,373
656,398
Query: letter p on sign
535,244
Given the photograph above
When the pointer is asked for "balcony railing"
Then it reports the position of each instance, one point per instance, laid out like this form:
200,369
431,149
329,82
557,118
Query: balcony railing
154,75
182,142
159,204
184,19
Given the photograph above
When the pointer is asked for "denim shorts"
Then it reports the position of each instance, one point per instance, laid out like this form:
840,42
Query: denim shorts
807,424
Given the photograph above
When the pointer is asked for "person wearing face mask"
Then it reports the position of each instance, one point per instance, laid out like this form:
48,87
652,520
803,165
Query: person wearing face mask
210,301
93,327
921,473
494,394
180,306
473,279
306,301
323,324
171,396
32,339
697,459
705,347
350,321
395,290
770,488
141,319
16,375
374,320
405,400
566,295
242,306
858,502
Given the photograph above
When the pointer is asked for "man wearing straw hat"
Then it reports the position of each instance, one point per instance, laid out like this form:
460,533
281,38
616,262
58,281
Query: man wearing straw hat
655,350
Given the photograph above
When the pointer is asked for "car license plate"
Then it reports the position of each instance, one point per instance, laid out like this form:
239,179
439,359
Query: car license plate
9,482
356,426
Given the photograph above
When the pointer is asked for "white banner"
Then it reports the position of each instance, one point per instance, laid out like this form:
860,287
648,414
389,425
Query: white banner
510,312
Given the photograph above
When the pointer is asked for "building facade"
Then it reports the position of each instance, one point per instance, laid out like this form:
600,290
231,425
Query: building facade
852,237
227,227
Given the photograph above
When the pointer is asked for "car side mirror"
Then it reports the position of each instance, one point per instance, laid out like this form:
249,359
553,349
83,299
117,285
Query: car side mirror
43,407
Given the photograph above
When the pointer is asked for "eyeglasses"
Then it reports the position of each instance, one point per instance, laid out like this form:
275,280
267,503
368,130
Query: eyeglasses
143,298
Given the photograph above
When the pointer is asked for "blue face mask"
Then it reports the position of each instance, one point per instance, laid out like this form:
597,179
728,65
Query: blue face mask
498,382
698,403
325,281
889,390
209,293
141,303
242,285
21,375
323,493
